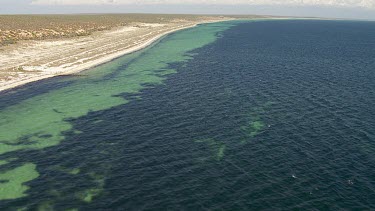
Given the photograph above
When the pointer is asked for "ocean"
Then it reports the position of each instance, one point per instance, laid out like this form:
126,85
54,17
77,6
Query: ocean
239,115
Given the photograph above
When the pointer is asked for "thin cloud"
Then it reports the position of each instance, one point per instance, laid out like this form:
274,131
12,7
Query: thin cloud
73,2
369,4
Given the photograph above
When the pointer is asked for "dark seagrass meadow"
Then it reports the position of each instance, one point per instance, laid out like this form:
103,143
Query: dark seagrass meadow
241,115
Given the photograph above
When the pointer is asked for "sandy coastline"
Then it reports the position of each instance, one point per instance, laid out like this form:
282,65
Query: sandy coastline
50,63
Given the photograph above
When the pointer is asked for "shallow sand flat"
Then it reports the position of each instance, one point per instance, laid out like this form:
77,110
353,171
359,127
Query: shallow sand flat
30,61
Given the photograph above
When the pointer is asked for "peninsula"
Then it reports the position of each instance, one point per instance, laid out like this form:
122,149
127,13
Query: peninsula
35,47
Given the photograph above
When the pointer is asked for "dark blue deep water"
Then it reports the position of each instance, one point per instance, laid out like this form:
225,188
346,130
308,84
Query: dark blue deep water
274,115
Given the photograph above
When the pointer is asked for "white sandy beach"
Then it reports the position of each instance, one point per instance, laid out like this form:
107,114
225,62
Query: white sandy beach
30,61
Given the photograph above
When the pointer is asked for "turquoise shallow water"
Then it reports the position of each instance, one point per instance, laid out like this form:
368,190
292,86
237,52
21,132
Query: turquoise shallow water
236,116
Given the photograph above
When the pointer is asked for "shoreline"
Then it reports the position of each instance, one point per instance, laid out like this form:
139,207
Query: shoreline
101,60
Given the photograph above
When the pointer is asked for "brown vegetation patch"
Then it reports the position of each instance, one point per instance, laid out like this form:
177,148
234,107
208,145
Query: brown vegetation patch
14,28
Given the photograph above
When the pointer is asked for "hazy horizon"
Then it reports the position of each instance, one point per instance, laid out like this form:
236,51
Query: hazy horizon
312,8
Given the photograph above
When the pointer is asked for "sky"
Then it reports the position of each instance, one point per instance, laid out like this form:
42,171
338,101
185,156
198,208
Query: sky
351,9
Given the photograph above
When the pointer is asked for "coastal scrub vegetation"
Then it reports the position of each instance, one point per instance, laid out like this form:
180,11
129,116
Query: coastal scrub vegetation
14,28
